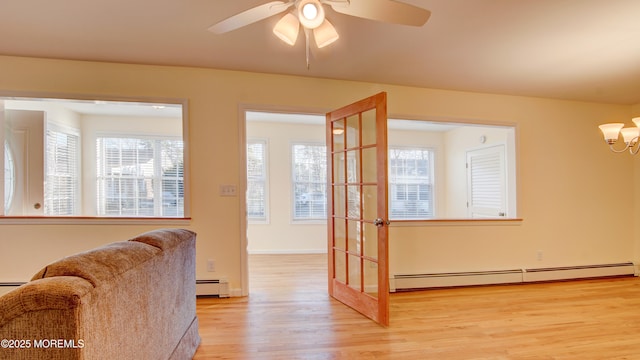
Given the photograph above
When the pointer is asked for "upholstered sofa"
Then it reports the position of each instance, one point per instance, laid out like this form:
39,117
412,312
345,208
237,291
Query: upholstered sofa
128,300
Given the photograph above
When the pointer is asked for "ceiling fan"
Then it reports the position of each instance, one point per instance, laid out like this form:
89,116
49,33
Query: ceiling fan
311,15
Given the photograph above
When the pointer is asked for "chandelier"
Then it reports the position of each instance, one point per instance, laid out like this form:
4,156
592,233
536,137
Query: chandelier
630,136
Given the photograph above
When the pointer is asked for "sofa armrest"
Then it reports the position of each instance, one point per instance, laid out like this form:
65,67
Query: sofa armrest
59,293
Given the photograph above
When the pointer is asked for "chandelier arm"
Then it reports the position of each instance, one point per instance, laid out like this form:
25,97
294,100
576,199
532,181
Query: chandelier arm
627,147
634,150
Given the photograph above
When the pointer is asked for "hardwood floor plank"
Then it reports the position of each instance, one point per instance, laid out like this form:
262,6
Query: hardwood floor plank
289,315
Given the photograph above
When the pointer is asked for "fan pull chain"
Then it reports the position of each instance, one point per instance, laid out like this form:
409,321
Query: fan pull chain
306,38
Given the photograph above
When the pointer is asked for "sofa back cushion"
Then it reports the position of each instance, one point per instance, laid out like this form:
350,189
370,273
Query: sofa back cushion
165,238
101,264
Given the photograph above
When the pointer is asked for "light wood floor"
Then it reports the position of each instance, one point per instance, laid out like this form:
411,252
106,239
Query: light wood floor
289,315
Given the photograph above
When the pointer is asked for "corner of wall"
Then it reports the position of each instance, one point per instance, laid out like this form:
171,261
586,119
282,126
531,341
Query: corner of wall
636,211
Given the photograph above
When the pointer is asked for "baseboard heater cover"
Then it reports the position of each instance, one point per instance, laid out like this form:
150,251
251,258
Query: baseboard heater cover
494,277
578,272
219,287
419,281
5,287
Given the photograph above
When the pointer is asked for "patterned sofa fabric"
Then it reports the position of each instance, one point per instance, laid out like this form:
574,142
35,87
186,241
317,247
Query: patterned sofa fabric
126,300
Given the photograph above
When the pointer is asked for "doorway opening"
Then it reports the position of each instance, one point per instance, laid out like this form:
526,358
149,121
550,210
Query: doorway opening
285,197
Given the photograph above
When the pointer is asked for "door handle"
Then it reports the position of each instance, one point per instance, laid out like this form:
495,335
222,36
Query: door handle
379,222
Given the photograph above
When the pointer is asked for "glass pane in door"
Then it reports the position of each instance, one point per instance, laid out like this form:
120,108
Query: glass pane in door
369,128
354,233
370,277
370,241
340,266
339,201
369,174
340,234
339,175
355,274
338,134
353,131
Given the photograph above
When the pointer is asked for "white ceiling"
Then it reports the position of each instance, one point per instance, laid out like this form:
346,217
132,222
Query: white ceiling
569,49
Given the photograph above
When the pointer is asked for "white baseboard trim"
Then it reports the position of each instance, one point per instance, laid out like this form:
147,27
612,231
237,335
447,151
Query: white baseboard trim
5,287
493,277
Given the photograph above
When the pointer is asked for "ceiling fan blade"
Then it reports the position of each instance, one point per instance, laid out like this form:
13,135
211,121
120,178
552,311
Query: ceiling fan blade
383,10
250,16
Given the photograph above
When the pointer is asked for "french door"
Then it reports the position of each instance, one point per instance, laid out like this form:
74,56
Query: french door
357,198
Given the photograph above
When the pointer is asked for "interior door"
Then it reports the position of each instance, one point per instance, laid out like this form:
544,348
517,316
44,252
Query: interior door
487,182
24,132
357,199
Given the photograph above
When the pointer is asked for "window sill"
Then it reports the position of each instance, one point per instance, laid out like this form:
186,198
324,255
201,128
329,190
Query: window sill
309,222
80,220
456,222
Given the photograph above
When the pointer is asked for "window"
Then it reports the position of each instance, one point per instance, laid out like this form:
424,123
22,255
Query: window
72,157
140,177
62,172
309,181
410,183
256,180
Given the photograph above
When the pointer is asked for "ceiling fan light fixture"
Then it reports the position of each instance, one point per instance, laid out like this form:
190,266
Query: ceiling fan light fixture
287,29
310,13
325,34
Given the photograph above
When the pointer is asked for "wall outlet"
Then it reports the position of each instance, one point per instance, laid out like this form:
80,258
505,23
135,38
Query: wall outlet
539,255
211,265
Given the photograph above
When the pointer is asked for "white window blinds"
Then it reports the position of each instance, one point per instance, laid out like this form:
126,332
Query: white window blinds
256,180
62,173
309,181
140,177
410,183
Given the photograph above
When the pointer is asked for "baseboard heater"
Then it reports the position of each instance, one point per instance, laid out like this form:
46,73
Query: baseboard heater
5,287
578,272
219,288
513,276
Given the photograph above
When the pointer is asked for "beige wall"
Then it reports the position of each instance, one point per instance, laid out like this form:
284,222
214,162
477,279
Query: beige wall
575,197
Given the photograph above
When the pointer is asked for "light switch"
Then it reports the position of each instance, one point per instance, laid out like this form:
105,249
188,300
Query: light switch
228,190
